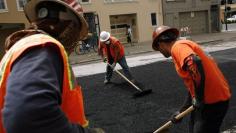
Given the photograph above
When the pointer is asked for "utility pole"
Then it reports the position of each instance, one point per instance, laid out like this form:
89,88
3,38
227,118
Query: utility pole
226,27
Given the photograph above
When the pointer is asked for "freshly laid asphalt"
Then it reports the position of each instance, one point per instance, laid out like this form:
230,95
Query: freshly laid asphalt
113,108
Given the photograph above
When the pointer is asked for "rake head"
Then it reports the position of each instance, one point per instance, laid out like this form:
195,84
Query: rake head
142,93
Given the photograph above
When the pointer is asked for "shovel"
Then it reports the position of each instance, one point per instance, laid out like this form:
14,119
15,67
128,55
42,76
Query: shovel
169,123
140,91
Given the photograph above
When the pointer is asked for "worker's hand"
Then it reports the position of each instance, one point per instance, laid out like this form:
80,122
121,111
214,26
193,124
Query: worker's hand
174,120
197,104
105,59
113,65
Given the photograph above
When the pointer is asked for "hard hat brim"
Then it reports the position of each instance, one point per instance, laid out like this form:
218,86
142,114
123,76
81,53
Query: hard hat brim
104,40
155,46
31,15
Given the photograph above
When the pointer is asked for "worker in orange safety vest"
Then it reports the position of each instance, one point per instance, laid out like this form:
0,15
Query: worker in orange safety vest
209,92
38,90
112,52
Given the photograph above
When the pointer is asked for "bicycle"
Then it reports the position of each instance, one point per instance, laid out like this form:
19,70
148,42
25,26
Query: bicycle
84,46
81,48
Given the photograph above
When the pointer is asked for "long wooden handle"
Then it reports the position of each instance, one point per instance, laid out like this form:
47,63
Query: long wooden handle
128,80
123,76
169,123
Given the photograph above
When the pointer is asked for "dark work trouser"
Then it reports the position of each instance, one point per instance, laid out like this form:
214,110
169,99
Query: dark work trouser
209,119
124,66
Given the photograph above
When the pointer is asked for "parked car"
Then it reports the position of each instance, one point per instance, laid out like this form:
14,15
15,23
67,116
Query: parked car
232,18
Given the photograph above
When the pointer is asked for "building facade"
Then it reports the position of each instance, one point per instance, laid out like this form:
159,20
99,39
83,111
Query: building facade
142,16
12,18
116,15
200,16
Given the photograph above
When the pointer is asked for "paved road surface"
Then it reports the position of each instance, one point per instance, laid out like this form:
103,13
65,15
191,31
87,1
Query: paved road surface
113,108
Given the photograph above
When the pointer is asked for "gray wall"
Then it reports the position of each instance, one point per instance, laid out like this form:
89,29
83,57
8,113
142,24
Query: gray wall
195,14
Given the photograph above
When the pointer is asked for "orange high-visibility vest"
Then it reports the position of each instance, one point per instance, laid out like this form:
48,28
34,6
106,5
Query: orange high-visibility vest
72,99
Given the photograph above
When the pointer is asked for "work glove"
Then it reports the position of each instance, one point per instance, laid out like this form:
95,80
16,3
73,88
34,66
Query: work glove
197,104
173,119
113,65
105,59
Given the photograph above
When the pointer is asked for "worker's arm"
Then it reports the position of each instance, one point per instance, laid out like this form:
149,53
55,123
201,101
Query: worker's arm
100,49
187,103
117,49
33,97
102,52
193,65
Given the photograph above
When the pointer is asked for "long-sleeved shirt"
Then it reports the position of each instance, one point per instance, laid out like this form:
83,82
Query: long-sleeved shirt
114,51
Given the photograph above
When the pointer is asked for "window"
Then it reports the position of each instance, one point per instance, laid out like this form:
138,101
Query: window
175,0
3,5
118,26
153,19
85,1
111,1
20,4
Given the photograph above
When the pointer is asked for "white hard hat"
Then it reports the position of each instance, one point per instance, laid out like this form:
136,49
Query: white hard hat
104,36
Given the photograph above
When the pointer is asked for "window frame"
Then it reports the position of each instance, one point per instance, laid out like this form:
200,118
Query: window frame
18,5
6,8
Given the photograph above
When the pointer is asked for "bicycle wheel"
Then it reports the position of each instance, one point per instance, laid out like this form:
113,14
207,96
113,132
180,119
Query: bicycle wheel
78,49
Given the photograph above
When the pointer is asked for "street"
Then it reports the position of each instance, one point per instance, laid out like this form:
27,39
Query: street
113,108
56,66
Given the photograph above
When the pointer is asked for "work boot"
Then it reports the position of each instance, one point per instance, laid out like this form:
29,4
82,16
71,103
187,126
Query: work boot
106,81
95,130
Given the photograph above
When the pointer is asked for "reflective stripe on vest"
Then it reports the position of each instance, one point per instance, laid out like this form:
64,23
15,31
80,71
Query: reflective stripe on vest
72,99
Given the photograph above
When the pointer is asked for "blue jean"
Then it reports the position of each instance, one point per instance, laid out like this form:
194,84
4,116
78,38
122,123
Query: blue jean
124,66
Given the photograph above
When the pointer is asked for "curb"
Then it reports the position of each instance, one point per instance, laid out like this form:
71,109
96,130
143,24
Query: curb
210,41
89,61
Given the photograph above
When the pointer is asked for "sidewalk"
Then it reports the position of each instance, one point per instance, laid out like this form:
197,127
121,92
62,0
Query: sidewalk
145,47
